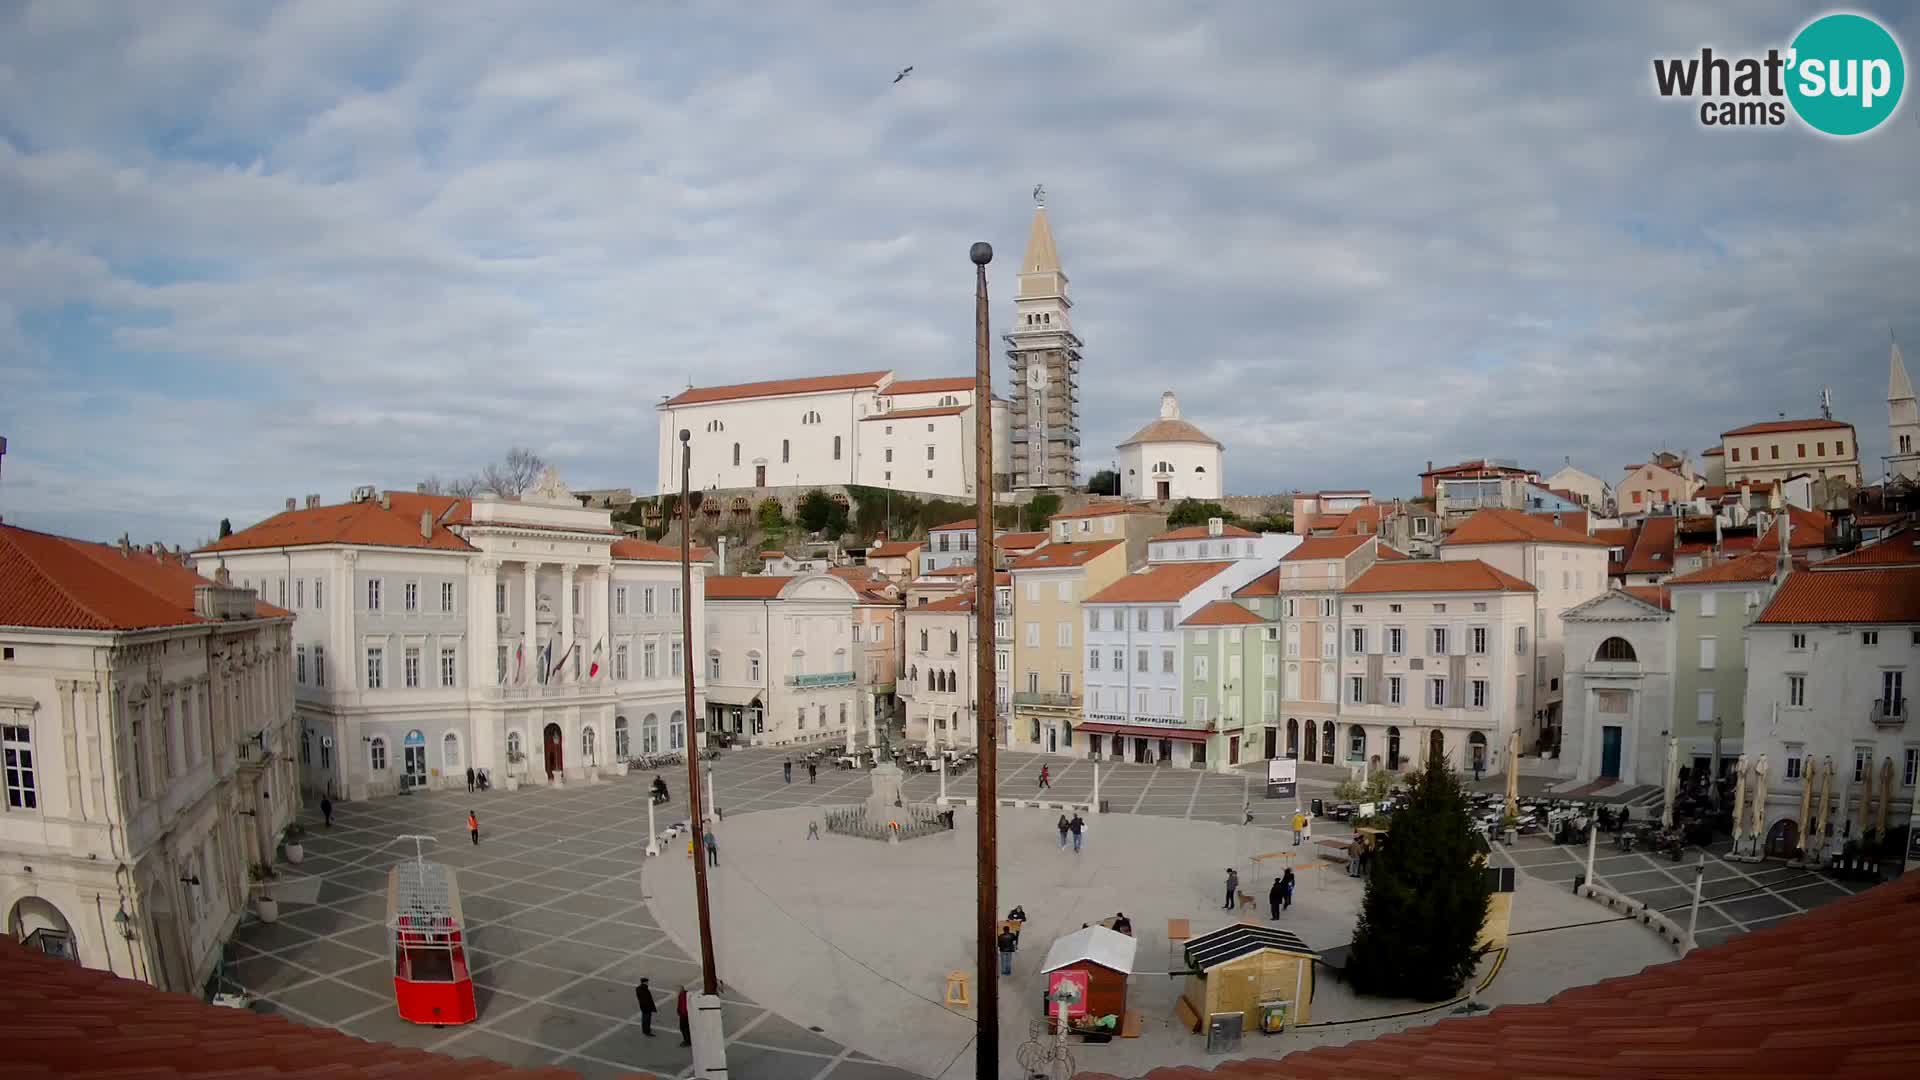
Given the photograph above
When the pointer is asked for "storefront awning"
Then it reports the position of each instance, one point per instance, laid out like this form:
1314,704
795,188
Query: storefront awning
1143,731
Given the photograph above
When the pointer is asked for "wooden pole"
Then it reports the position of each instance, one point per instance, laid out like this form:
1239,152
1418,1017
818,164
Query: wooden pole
986,1064
709,980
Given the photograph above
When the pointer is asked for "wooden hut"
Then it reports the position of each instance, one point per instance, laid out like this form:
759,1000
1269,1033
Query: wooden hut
1103,959
1246,968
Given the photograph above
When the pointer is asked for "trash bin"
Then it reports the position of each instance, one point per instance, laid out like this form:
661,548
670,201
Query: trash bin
1106,806
1578,880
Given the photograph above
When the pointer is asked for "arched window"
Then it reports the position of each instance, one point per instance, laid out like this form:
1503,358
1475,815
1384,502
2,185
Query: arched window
306,746
923,639
650,734
450,751
953,641
913,675
843,714
1199,468
1616,648
1356,743
1293,738
1036,732
799,662
676,731
1437,744
1327,736
588,745
839,660
377,754
622,744
513,746
753,667
1066,733
736,453
836,448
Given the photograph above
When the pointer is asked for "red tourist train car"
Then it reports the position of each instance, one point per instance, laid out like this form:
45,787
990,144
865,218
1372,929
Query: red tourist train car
432,983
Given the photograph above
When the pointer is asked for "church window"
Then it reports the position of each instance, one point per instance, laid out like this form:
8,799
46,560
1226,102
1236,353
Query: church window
736,453
786,451
836,448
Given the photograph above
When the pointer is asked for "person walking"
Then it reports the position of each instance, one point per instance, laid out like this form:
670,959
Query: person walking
813,772
1046,778
713,850
786,770
1286,891
1075,826
326,811
1274,896
1008,942
813,830
1298,824
1063,826
647,1007
471,780
1233,888
473,828
686,1026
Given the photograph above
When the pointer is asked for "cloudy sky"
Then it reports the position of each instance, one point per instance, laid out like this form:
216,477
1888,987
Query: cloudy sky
250,251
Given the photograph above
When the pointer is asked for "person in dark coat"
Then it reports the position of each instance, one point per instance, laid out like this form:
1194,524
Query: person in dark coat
1286,890
1074,827
1233,886
471,779
1275,896
647,1007
686,1024
1063,831
813,772
326,810
786,770
1007,942
713,850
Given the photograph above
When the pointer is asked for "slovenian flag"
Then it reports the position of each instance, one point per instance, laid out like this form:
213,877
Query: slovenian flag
593,671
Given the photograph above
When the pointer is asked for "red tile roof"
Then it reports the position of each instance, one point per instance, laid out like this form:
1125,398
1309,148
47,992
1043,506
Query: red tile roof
1102,509
1055,556
1874,595
1201,532
1222,613
1571,520
1809,531
749,587
1769,426
1430,575
957,570
1755,566
1359,521
1479,465
1652,551
1827,993
1898,549
957,384
1615,537
55,583
1712,451
957,602
1326,547
899,549
65,1020
629,549
1161,583
1020,541
818,384
1267,584
1389,553
956,526
1514,527
363,524
1656,595
915,414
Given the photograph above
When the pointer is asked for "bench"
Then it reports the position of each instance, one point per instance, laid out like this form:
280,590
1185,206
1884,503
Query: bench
1130,1024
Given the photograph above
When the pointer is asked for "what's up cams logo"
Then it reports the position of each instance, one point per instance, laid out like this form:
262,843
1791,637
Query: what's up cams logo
1842,75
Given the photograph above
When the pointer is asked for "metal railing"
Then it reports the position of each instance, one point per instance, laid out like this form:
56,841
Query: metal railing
1889,713
1051,699
831,678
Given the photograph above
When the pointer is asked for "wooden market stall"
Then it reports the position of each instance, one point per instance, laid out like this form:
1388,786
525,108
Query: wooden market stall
1098,959
1262,973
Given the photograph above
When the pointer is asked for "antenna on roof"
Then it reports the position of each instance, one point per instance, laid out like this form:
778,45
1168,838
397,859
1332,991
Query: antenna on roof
1826,403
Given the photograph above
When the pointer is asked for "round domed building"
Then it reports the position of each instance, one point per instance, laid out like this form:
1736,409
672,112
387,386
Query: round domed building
1170,459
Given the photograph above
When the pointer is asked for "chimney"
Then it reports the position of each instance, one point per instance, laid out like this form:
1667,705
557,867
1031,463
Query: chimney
419,489
1216,526
221,576
313,501
1786,529
426,524
386,502
720,556
125,548
1556,518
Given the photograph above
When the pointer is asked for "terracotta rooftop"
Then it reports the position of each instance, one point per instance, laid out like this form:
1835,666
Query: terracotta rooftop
1478,465
1514,527
1360,521
362,524
1769,426
898,549
1809,531
1102,509
818,384
1325,547
1170,430
1712,451
950,571
1222,613
1161,583
1020,541
1656,595
957,385
1898,549
1388,553
1267,584
61,1019
1056,556
1827,993
1200,532
1431,575
1571,520
1653,542
1871,595
54,583
629,549
957,602
915,414
748,587
1754,566
955,526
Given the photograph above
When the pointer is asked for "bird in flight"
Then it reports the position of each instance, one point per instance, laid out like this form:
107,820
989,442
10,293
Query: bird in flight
904,72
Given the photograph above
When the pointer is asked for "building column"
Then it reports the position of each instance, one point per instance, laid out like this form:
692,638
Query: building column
566,635
529,627
484,623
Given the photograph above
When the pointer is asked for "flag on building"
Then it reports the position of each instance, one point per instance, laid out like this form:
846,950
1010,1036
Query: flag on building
519,661
554,671
593,671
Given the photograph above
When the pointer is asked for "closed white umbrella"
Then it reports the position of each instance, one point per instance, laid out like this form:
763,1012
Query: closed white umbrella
1672,781
1759,804
1807,778
1823,811
1740,769
1866,796
1513,773
1886,794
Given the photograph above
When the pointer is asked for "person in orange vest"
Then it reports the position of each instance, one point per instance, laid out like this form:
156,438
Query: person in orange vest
473,828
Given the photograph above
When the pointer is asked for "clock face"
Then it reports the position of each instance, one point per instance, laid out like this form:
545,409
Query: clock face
1036,376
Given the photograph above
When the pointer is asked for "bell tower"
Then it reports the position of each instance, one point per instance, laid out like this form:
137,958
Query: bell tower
1044,355
1903,421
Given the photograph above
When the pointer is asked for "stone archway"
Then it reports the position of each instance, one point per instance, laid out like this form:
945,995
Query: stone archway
552,745
42,927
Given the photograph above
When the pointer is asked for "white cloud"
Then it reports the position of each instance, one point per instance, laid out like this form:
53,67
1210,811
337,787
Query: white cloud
252,253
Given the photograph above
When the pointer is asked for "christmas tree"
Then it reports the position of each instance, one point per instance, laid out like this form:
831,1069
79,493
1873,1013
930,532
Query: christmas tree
1427,896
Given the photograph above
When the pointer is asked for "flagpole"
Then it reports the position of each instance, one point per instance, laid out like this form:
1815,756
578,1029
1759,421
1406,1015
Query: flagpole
709,980
986,1062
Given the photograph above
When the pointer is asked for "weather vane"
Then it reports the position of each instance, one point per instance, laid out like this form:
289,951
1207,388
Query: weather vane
1039,195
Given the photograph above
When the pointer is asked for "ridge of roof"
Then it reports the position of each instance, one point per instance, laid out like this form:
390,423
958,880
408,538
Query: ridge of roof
953,384
813,384
1159,583
1872,595
1327,547
1201,532
357,524
1063,556
1754,566
1898,548
1170,430
917,414
745,586
1766,427
1497,526
1222,613
1103,509
1433,575
1267,584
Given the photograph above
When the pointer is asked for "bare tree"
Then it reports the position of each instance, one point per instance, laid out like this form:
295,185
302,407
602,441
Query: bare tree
515,475
460,487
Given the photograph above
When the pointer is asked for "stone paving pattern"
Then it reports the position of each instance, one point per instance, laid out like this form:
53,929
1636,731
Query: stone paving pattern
561,930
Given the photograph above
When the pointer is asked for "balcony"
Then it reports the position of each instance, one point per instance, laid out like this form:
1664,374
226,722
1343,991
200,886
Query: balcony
1046,699
1889,713
812,682
540,691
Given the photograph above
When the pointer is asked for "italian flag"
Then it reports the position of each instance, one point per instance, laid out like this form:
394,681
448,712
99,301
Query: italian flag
593,671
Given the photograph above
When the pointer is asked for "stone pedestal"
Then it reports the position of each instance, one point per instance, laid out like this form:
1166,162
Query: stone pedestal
885,801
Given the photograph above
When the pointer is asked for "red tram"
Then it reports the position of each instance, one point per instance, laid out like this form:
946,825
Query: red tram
432,983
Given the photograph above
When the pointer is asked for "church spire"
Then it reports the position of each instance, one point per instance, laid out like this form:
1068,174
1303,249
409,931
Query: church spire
1899,386
1041,258
1903,419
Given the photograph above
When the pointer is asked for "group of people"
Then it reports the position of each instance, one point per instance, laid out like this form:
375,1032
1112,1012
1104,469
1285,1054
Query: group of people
648,1007
813,771
1072,828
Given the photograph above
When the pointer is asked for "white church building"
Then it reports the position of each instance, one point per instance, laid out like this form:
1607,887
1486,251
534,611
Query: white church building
1170,459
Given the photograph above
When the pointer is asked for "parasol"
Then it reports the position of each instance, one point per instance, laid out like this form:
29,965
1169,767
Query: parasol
1740,770
1672,781
1759,829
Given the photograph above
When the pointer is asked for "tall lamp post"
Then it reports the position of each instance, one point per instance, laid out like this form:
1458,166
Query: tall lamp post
986,1062
709,1045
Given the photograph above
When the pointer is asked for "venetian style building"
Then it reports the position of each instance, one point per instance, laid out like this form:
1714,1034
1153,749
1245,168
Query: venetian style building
782,664
147,722
941,674
525,637
1043,352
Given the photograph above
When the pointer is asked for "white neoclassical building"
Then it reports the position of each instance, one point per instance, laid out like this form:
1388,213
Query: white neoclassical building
1620,654
524,637
781,662
1171,459
146,722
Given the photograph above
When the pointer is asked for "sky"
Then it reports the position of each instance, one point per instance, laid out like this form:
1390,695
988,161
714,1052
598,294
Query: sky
251,251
